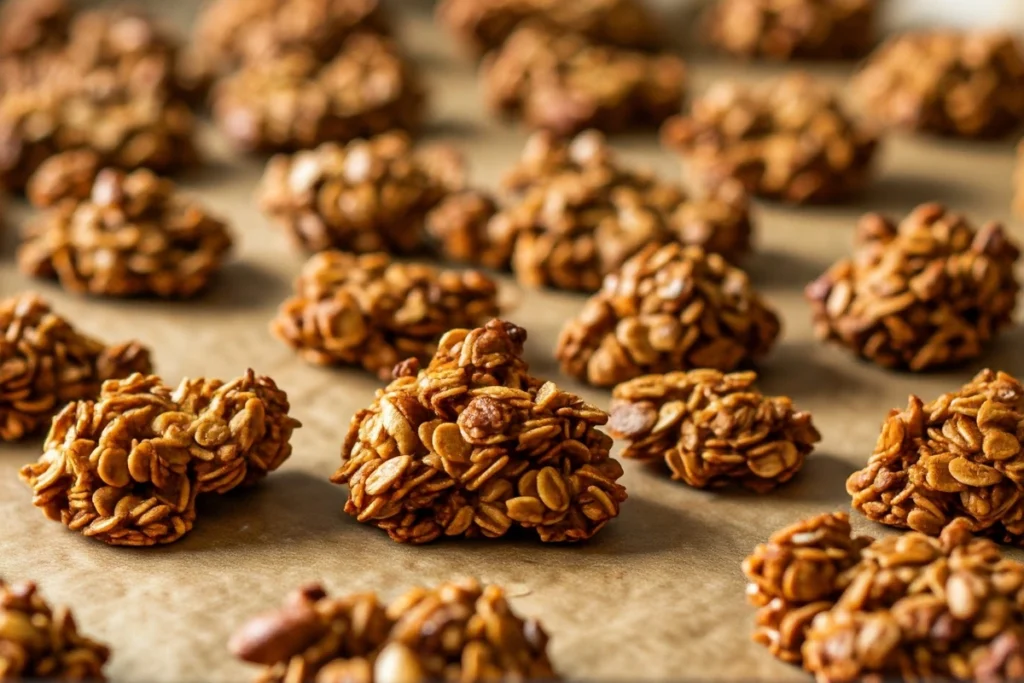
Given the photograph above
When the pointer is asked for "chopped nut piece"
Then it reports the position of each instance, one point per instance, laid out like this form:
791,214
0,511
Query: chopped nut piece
369,311
457,631
787,139
929,293
135,235
473,445
793,29
712,429
483,25
908,606
565,84
366,196
45,363
38,642
963,84
957,457
295,102
126,469
668,308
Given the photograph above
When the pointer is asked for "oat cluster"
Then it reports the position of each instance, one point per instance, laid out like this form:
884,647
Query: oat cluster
787,139
45,363
957,457
126,468
787,30
473,445
365,196
132,234
712,429
668,308
961,84
904,607
108,80
483,25
928,293
38,642
457,631
565,84
372,312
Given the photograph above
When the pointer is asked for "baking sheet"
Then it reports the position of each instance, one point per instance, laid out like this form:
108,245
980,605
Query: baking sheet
658,594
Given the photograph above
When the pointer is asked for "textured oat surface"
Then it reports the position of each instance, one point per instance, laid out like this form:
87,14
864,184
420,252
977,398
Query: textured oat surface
658,593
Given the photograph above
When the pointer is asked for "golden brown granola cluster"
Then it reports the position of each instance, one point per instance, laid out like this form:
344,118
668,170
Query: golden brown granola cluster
126,468
473,445
457,631
928,293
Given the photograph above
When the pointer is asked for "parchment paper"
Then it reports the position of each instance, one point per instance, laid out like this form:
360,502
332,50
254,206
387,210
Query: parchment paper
658,594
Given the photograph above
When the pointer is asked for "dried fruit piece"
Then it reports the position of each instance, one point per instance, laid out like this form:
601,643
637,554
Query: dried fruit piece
792,29
134,234
667,308
369,311
45,363
565,84
787,139
712,429
456,631
38,642
957,457
473,445
483,25
946,82
928,293
126,469
366,196
295,102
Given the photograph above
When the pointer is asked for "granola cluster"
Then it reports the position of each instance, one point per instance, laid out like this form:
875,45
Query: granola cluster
473,445
787,139
126,468
365,196
372,312
792,29
483,25
122,234
457,631
904,607
961,84
39,642
45,363
712,429
667,309
928,293
957,457
564,83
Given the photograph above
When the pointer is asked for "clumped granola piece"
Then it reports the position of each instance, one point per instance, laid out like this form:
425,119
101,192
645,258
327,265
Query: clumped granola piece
46,363
482,25
928,293
29,27
668,308
961,84
563,83
133,235
372,312
458,631
712,429
39,642
792,29
64,176
295,102
457,228
126,469
473,445
365,196
957,457
787,139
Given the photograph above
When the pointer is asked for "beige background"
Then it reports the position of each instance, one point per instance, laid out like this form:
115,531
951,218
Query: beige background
658,594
